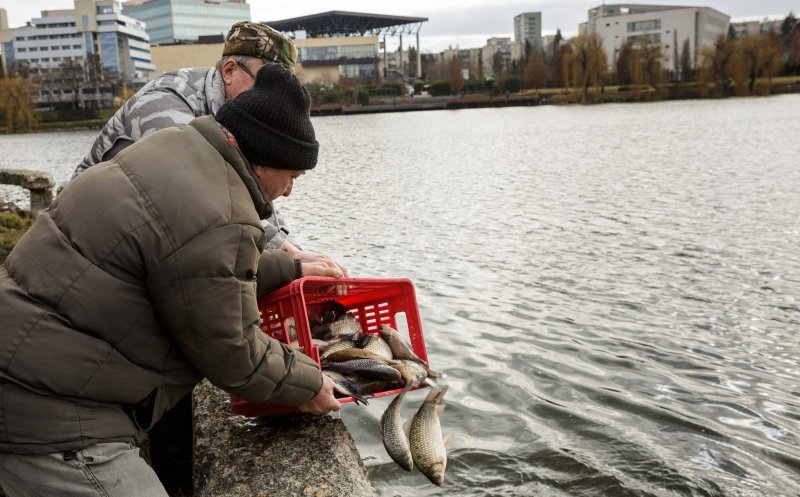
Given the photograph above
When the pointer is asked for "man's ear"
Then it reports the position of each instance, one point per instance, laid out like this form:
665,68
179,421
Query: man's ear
227,71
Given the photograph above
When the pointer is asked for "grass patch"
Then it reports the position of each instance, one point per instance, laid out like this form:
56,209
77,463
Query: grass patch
12,227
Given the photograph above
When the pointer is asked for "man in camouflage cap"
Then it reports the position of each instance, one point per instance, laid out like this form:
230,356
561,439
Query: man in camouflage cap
172,101
259,40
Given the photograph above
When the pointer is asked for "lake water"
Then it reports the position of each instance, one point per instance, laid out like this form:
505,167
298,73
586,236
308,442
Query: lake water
613,291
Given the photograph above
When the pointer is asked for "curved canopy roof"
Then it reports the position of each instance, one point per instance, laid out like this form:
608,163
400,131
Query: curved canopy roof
337,22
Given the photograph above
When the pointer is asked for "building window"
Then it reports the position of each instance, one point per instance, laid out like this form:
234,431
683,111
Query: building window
645,39
644,25
23,49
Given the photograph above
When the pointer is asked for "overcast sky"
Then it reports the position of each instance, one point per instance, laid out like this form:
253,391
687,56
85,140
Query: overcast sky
466,23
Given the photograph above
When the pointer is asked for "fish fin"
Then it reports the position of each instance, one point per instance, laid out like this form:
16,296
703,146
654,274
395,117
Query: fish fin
447,439
435,374
430,382
438,397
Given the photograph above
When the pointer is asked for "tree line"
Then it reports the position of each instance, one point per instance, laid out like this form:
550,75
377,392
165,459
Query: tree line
75,85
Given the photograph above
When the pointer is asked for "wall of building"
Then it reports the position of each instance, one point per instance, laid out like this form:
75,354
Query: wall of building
324,57
700,25
171,57
171,21
528,27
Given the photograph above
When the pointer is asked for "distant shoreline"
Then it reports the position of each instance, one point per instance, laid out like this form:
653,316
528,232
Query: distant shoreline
455,102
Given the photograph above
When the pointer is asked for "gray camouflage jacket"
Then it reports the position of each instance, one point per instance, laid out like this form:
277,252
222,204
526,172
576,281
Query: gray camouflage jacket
169,101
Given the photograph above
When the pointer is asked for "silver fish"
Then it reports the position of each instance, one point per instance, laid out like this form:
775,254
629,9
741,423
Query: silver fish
394,436
345,326
343,386
399,347
336,347
376,345
425,438
365,368
413,374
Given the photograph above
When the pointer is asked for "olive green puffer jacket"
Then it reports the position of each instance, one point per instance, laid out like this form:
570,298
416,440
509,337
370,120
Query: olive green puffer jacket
140,280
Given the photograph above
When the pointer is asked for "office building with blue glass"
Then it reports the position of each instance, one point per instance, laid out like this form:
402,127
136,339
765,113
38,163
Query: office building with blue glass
185,21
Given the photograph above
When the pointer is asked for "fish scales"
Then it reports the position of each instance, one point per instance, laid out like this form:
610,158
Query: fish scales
425,438
394,437
377,346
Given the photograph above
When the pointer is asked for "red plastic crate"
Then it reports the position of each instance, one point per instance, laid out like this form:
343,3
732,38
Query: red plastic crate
372,301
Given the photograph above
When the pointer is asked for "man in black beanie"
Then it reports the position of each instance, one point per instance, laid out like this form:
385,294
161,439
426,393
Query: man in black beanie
142,279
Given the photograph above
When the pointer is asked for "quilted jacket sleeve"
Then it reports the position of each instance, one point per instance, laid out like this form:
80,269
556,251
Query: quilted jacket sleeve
205,296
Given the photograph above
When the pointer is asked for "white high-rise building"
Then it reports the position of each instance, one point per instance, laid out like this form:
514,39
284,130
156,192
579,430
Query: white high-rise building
528,28
93,27
664,25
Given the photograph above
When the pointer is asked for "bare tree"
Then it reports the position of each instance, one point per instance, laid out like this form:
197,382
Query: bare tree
716,69
15,100
756,56
624,61
411,70
588,61
456,77
686,61
535,75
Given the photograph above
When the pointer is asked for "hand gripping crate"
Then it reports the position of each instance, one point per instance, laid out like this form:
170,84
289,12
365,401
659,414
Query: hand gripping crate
285,312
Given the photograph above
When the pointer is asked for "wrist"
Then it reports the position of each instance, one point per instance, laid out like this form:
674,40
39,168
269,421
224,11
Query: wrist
298,269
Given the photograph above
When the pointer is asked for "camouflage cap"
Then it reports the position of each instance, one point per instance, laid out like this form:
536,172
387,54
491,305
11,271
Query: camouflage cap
259,40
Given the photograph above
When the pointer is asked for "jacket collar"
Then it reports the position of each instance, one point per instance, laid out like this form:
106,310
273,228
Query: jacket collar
211,131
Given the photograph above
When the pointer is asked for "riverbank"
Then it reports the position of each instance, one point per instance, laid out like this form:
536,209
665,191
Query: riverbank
548,96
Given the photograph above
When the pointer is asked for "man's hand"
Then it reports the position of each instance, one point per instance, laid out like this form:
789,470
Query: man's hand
317,264
324,402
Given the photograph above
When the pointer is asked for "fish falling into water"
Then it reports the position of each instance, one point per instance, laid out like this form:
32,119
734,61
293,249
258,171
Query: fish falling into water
394,436
425,437
361,363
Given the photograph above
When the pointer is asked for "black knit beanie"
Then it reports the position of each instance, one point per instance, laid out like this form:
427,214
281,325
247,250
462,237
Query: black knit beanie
271,121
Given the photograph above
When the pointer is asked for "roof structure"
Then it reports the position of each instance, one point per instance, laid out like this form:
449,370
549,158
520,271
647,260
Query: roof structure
337,22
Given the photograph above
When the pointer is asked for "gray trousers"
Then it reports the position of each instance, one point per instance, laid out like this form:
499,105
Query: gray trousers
111,469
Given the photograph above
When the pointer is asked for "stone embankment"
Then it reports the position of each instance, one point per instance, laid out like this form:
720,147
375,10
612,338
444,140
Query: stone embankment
286,455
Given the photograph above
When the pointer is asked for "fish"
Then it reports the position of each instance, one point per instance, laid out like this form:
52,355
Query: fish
365,368
352,353
345,326
399,347
393,434
413,374
376,345
333,311
343,386
425,437
334,347
370,386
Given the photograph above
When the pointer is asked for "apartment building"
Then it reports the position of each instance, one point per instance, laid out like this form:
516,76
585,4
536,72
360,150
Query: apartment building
92,28
528,28
664,25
